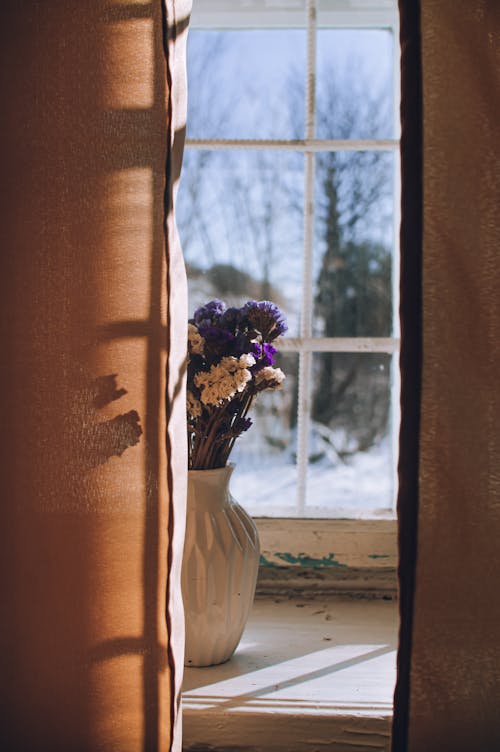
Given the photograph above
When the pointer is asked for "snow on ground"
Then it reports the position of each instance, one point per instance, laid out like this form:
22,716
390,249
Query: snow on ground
361,487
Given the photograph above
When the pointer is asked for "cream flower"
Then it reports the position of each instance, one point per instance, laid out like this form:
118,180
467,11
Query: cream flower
246,360
224,380
269,378
195,340
193,405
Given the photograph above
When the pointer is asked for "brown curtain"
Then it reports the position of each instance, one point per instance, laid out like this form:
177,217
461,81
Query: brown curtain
93,311
448,690
411,349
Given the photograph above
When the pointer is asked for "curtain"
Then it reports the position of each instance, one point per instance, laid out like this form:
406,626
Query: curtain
92,327
448,690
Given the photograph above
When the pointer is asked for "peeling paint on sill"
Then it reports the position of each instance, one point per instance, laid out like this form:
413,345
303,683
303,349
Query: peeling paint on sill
304,560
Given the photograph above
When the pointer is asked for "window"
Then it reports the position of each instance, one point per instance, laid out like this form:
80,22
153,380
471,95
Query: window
290,192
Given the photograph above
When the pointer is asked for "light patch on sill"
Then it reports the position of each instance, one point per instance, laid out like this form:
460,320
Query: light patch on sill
306,684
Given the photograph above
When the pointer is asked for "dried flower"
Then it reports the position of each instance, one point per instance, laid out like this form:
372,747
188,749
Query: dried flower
224,380
264,355
193,405
241,424
219,341
269,378
195,340
230,360
266,317
209,312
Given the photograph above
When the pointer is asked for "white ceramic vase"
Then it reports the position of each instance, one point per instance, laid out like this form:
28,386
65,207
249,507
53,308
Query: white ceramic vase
219,570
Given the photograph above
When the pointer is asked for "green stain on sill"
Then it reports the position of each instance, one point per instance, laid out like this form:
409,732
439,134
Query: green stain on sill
379,556
266,563
302,560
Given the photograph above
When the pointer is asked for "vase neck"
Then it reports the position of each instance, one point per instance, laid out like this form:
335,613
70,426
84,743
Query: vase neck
209,489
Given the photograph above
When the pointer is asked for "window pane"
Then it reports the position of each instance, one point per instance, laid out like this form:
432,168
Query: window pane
350,454
265,476
354,83
240,223
241,83
354,241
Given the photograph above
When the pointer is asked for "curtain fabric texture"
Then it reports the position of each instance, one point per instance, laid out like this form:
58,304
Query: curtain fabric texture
93,328
448,691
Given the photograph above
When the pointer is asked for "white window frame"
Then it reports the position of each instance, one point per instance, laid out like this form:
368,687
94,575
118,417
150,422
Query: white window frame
363,543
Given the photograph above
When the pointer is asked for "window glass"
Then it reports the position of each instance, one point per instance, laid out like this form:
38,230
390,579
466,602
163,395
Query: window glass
265,475
241,83
240,219
354,83
350,442
353,244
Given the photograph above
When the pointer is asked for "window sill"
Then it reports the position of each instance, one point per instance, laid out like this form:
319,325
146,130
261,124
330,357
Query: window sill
308,675
328,557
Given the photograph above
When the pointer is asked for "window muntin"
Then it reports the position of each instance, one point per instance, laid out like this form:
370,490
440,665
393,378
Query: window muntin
272,240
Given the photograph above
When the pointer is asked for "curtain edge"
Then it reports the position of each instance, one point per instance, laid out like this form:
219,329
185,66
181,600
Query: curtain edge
411,232
175,22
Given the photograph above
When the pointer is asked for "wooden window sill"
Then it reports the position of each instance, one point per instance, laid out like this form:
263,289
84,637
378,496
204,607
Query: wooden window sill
308,675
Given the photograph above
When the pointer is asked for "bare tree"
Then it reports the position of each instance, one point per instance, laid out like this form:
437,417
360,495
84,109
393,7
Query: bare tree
353,293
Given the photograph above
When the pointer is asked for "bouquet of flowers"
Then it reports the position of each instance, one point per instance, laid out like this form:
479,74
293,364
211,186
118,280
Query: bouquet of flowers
231,360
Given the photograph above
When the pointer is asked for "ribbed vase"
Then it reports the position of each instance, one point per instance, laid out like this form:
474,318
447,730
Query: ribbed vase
219,571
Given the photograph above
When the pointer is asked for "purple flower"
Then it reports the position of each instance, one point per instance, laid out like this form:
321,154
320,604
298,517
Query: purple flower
210,312
269,352
243,345
266,318
264,355
217,341
231,319
255,349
